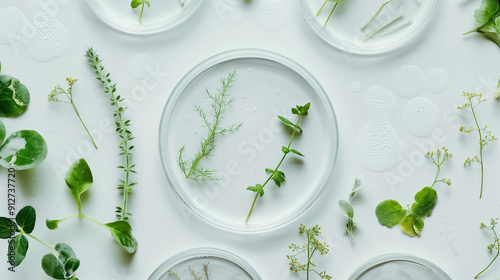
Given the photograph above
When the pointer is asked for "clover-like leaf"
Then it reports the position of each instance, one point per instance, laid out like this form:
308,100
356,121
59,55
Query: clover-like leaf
14,97
23,149
122,233
7,228
79,178
26,218
18,248
390,213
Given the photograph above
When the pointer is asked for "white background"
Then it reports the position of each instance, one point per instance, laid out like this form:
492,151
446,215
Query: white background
451,238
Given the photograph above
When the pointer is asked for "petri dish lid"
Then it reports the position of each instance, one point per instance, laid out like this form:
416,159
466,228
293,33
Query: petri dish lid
161,16
400,267
343,30
221,265
266,85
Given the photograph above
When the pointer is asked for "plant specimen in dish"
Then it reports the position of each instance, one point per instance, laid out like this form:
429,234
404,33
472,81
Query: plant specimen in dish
308,249
68,93
123,130
136,3
485,137
488,15
333,9
375,15
384,25
192,167
192,273
78,179
275,174
495,245
60,263
390,212
347,209
22,150
14,97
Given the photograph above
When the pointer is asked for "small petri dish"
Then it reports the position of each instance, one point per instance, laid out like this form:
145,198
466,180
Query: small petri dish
266,85
343,30
161,16
400,267
220,264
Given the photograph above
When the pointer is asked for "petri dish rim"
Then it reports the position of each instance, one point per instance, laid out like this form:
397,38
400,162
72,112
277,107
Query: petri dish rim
345,46
387,258
145,28
204,252
244,54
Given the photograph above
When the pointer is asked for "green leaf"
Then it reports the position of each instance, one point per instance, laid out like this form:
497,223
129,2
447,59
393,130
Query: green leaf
418,225
122,233
407,225
63,265
136,3
297,152
23,149
7,228
286,121
285,150
489,30
147,3
486,11
2,132
18,248
295,111
52,224
79,178
14,97
26,219
390,213
357,186
303,110
257,188
425,200
346,208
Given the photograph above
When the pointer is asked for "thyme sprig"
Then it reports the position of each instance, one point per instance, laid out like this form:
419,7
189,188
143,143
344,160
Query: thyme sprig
495,245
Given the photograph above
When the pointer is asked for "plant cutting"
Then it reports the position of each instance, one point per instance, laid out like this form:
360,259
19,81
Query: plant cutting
14,96
78,179
136,3
275,174
488,15
347,209
122,128
192,167
485,136
68,93
308,249
60,263
495,245
333,9
192,273
390,212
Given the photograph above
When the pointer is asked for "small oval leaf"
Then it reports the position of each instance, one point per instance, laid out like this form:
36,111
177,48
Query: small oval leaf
7,228
23,149
79,178
18,247
122,233
390,213
14,97
26,219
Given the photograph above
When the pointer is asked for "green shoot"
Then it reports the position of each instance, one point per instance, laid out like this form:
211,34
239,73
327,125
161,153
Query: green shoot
489,17
123,130
275,174
192,168
485,137
58,90
384,25
309,248
375,15
347,209
495,245
333,9
136,3
192,273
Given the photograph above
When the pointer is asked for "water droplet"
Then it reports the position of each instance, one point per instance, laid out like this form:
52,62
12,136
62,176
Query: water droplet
409,81
271,15
420,117
437,80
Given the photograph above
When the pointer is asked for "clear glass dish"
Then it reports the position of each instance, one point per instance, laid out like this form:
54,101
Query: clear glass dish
221,265
343,30
400,267
266,84
161,16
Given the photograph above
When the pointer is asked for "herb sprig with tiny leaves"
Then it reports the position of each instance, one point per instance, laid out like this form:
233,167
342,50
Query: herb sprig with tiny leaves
390,212
347,209
275,174
68,93
495,245
485,137
312,246
192,273
123,130
60,263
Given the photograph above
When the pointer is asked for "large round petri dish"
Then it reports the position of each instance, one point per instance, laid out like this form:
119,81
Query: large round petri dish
161,16
400,267
220,264
266,85
343,30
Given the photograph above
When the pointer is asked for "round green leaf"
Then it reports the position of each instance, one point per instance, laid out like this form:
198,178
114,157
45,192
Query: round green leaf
7,228
425,201
486,11
26,218
407,225
64,265
52,266
2,132
14,97
79,178
390,213
24,149
122,233
18,248
52,224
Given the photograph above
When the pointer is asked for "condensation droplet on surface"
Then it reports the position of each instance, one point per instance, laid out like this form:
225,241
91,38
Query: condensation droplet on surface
271,15
138,65
437,80
420,117
356,86
11,22
409,81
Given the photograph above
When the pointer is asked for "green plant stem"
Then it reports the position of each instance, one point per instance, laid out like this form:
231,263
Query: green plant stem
78,115
142,10
375,15
277,167
308,256
93,220
40,241
320,9
336,3
496,256
480,146
376,30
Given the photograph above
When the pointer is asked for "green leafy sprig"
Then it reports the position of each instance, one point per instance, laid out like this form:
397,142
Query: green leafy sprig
136,3
192,168
68,93
333,9
390,212
78,179
123,130
60,263
275,174
192,273
347,209
495,245
488,15
312,246
485,136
